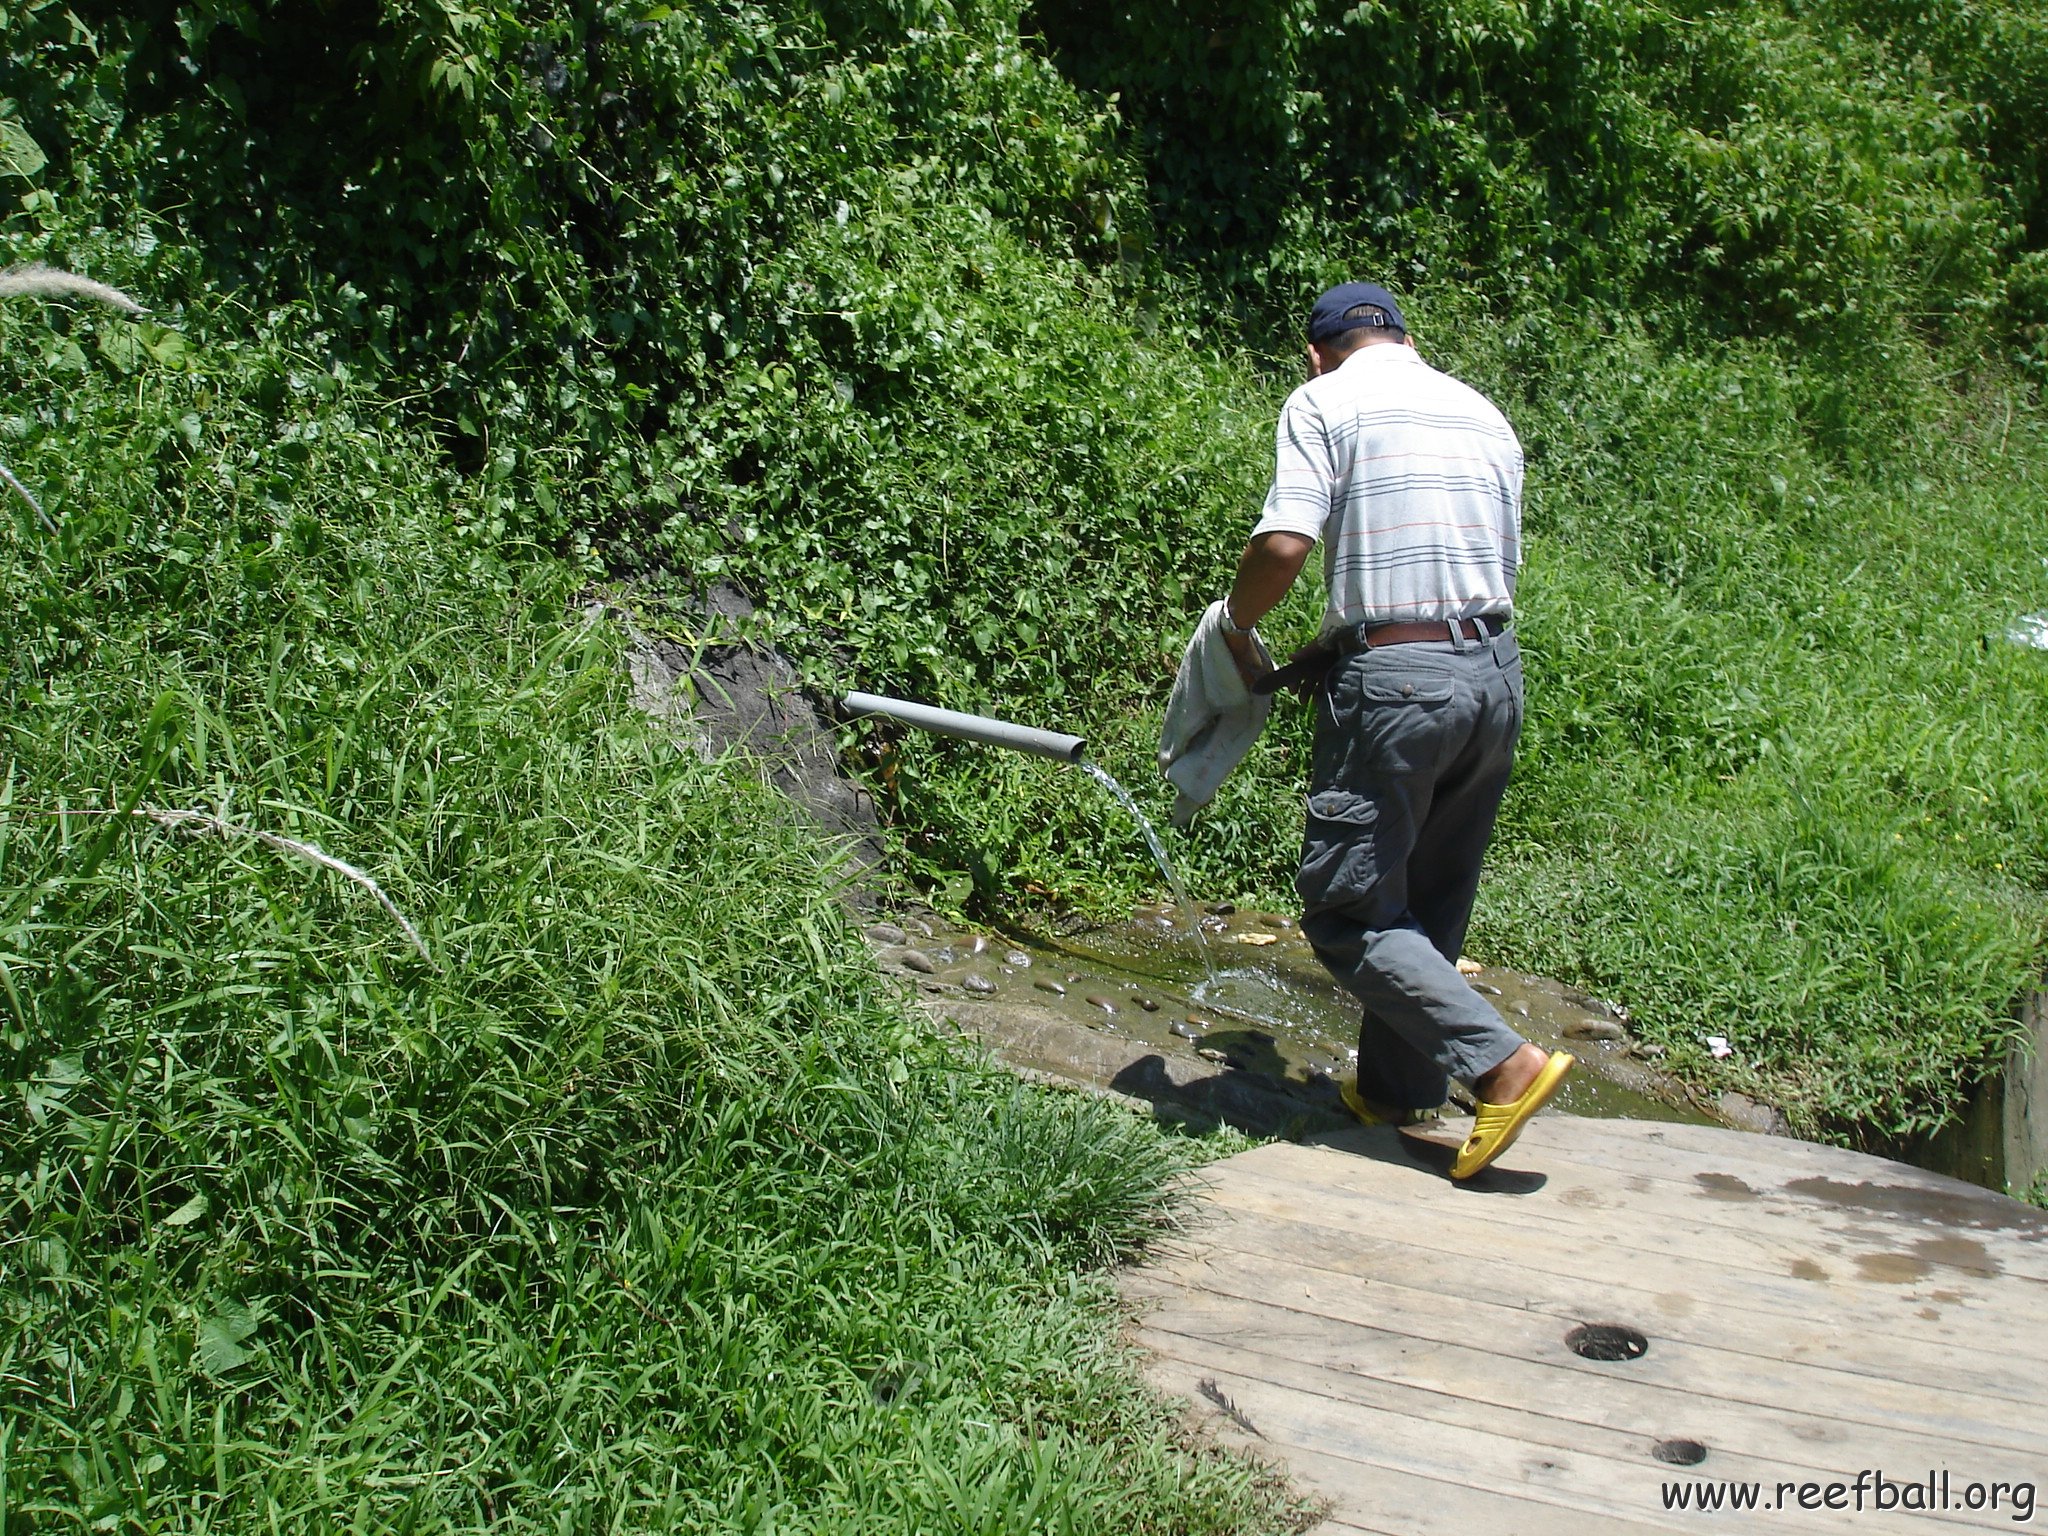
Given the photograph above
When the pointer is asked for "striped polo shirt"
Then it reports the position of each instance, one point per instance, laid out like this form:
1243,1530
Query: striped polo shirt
1411,481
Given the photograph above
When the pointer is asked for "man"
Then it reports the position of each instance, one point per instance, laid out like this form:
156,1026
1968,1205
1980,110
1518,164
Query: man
1412,482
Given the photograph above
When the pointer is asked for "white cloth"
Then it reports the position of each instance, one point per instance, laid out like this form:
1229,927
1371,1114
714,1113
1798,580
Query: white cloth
1413,483
1212,718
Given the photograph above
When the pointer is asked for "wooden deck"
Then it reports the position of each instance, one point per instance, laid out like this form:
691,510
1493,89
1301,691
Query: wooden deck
1399,1342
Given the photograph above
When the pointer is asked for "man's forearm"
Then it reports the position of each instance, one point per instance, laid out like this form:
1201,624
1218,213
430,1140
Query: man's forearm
1264,573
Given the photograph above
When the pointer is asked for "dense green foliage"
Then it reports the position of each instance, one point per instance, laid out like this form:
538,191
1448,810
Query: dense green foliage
634,1202
952,332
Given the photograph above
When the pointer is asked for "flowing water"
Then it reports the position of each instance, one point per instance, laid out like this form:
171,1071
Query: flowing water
1191,917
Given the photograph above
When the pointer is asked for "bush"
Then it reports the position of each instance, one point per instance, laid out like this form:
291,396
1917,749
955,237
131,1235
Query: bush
629,1196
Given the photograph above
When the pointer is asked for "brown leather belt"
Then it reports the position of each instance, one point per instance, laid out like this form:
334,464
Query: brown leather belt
1306,669
1373,636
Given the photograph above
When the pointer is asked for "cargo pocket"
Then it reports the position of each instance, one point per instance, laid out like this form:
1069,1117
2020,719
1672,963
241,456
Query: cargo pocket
1404,724
1342,806
1337,848
1425,691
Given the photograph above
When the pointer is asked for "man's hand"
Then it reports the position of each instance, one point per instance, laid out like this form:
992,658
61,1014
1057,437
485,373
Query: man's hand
1264,573
1252,664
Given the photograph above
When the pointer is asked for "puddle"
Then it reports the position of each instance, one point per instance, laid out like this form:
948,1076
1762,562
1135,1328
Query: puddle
1269,1006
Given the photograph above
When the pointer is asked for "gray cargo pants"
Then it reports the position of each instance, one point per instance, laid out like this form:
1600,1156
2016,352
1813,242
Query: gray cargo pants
1413,746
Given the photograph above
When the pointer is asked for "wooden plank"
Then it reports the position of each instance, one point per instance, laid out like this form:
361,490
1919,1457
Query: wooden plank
1392,1501
1982,1340
1812,1313
1545,1404
1705,1195
1780,1250
1575,1157
1851,1183
1852,1397
1687,1293
1301,1391
1450,1454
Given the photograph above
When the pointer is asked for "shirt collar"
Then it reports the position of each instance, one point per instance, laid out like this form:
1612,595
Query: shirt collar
1395,351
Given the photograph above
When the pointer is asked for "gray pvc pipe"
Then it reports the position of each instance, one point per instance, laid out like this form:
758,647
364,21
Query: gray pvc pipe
991,733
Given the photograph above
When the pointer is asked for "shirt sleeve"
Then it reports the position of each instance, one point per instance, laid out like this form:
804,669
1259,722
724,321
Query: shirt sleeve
1511,543
1303,472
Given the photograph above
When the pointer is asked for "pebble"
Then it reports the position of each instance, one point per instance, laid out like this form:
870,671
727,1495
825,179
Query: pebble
1594,1029
916,925
1521,1010
1210,1053
1096,1000
1047,984
887,933
910,959
1487,987
1467,966
1269,920
1221,908
1199,1023
1647,1049
1019,959
974,982
1146,1003
1186,1033
978,945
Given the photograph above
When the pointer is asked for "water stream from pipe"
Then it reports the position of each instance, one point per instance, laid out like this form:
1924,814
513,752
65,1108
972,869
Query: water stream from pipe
1191,918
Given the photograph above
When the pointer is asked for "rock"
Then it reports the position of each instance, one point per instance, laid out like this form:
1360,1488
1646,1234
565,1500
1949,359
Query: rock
1594,1029
1210,1053
1220,909
974,982
1649,1050
906,958
1467,966
1146,1003
1047,984
722,694
1017,958
1199,1023
887,933
1272,920
1520,1010
1095,1000
1592,1004
918,926
1186,1032
1257,939
1487,987
978,945
1746,1114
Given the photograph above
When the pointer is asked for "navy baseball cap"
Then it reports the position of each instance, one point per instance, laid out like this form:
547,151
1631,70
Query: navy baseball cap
1327,319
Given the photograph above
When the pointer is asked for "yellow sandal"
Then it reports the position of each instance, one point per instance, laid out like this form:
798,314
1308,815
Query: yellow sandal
1495,1126
1372,1112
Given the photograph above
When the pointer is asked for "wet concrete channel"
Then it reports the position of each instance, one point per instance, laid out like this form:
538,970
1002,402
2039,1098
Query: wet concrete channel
1132,1008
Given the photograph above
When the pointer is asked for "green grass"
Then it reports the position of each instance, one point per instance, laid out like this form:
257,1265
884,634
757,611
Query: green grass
640,1203
959,347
